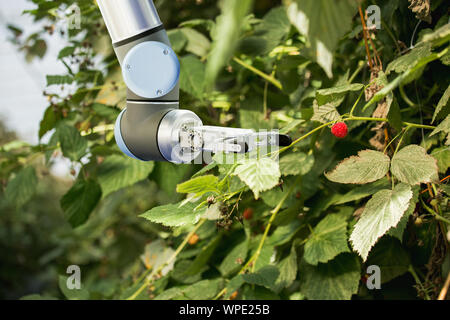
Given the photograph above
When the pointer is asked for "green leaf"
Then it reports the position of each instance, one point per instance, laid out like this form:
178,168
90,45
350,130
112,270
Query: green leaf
118,172
392,259
327,240
407,61
72,294
362,192
335,280
22,187
231,263
367,167
296,164
199,185
413,165
381,213
203,290
174,215
283,234
73,145
58,80
260,175
439,36
394,115
177,39
399,229
226,35
79,202
288,271
443,103
442,155
411,74
264,277
65,52
335,95
105,111
325,113
324,23
197,43
192,76
444,126
274,27
48,122
203,257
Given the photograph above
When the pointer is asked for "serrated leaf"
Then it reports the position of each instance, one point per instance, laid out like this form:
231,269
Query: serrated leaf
288,271
381,213
231,263
392,259
264,277
295,164
444,126
399,229
362,192
22,187
439,36
325,113
73,145
443,103
118,172
259,174
199,185
177,39
283,234
72,294
203,290
197,43
408,60
367,166
442,155
324,23
174,215
413,165
79,202
409,75
394,115
192,76
327,240
335,280
274,27
335,95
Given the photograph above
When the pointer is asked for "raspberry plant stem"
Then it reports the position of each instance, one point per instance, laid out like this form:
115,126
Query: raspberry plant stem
149,279
271,79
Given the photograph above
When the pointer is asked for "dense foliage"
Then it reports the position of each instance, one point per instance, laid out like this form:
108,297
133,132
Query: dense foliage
307,226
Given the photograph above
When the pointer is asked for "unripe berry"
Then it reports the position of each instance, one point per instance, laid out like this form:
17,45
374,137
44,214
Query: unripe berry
193,239
248,213
339,130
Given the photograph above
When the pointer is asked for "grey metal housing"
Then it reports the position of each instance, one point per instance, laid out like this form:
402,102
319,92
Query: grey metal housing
131,22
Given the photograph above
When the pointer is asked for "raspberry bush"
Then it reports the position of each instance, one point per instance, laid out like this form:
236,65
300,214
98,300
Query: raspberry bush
304,227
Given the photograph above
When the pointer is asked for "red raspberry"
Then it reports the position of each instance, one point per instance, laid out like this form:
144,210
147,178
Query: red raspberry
339,130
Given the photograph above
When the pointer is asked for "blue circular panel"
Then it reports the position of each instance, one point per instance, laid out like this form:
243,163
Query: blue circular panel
151,69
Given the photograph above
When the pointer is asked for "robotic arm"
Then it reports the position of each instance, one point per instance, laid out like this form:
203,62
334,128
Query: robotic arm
152,127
